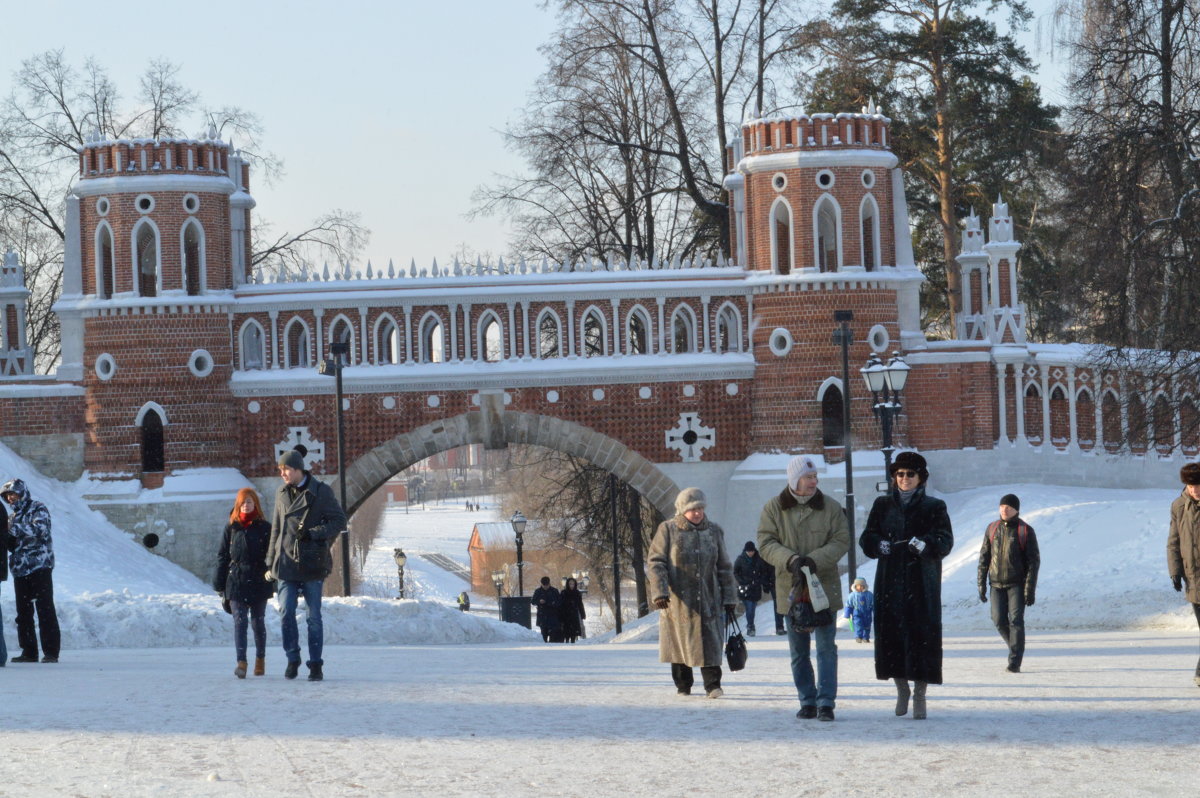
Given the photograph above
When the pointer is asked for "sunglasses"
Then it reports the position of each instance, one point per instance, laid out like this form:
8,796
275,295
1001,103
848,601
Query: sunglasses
907,474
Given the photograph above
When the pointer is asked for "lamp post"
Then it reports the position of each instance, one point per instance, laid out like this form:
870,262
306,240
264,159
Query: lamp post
885,384
334,368
498,581
844,337
399,556
518,525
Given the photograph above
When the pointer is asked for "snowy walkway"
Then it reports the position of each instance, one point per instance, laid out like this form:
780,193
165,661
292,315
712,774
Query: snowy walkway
1098,713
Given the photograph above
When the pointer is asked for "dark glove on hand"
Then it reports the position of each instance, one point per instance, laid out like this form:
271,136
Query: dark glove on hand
805,562
983,595
730,609
1029,599
661,602
885,548
1177,582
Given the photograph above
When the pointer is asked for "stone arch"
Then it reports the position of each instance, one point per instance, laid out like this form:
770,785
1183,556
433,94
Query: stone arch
495,428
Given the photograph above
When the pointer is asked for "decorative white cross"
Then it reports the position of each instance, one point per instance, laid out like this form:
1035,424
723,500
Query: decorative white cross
690,437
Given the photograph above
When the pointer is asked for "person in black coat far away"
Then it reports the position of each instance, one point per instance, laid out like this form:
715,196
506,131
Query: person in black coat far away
546,601
239,577
570,611
909,533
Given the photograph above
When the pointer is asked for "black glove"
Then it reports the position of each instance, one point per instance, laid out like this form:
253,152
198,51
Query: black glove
797,562
1029,599
1177,582
301,533
983,595
730,609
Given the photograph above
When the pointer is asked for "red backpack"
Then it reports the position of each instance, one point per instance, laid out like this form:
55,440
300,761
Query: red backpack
1022,533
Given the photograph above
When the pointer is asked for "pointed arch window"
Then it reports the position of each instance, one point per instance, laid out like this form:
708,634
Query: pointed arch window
193,257
146,259
342,332
729,337
106,277
296,341
152,447
593,334
870,233
252,351
490,341
1085,419
432,340
1164,425
683,330
387,341
781,238
637,333
828,238
833,428
548,335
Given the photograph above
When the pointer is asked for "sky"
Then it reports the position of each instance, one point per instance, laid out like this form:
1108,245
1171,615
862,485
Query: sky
392,108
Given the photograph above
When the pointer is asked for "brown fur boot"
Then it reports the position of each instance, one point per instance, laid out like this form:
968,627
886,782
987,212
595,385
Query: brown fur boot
260,666
240,670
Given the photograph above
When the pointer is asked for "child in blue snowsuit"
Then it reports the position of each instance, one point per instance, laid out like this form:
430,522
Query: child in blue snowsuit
860,607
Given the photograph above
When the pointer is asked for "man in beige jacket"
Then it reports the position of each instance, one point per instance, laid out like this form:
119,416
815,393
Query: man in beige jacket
1183,542
804,527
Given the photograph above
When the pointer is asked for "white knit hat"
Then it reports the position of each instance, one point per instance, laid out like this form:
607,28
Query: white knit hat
799,466
690,499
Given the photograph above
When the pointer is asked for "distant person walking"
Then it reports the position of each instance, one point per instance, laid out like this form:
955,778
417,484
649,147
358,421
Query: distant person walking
802,527
546,602
750,571
1009,561
239,577
571,612
909,533
464,602
32,566
1183,542
305,521
691,584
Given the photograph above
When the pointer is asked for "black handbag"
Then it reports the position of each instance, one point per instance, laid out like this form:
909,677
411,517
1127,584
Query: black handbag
801,614
735,646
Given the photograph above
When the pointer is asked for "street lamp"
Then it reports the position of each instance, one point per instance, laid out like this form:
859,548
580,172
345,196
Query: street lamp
885,384
399,556
334,368
843,337
518,525
498,581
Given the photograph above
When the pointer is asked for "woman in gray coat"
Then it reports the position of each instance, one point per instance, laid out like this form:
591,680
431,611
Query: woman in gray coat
691,583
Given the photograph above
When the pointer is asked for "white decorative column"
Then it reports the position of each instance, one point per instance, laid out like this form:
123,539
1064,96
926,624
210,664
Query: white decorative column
1045,382
1001,375
453,311
570,328
616,328
362,315
662,327
468,336
704,301
528,334
512,332
408,337
318,315
1019,397
274,315
1072,413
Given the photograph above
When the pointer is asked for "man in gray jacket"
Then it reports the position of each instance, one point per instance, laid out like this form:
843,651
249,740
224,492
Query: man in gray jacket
804,527
1009,561
305,522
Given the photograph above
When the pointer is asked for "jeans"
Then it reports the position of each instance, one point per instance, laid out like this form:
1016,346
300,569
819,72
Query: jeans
1195,609
1008,613
289,594
243,615
750,607
35,591
824,692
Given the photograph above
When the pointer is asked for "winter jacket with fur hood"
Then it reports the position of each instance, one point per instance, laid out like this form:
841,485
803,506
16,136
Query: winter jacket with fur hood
29,530
689,565
1183,544
816,529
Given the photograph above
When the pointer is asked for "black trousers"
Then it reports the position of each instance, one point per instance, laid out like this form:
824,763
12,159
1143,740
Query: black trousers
35,591
684,676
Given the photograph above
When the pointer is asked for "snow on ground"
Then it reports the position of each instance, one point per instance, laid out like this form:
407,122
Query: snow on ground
1094,713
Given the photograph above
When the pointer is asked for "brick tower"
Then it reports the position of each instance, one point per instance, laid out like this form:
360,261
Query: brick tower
820,223
157,241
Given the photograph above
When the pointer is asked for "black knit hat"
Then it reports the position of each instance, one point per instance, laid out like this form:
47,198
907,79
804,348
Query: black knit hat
1012,501
749,546
1190,474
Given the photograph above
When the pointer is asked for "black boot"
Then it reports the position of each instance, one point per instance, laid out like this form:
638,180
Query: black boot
314,673
292,669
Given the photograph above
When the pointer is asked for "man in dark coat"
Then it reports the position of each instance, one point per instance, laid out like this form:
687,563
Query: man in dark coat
750,571
545,601
4,540
1009,560
32,567
305,522
1183,542
909,533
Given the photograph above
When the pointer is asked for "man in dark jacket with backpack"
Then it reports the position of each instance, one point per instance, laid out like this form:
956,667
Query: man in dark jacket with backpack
1009,560
305,522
